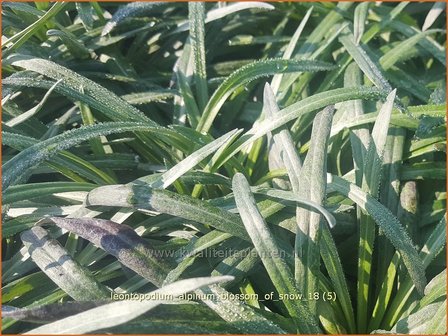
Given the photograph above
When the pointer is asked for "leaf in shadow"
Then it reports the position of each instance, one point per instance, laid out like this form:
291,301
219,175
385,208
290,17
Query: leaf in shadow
50,312
390,225
133,9
59,266
122,242
120,312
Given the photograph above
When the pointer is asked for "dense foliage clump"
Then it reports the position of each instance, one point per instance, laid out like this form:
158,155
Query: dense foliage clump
227,167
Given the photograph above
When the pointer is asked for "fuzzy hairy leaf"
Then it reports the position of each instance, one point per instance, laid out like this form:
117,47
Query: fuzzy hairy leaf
143,197
248,73
15,168
196,13
193,159
121,241
392,228
269,253
48,313
59,266
219,13
110,104
312,186
364,61
120,312
307,105
361,11
132,9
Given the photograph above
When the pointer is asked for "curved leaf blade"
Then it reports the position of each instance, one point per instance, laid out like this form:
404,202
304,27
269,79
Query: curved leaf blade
392,228
121,241
248,73
117,313
58,265
269,253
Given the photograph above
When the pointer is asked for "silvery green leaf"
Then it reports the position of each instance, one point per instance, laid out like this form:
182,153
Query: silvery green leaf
59,266
220,12
193,159
133,9
391,227
248,73
282,152
420,321
144,198
364,61
196,14
359,21
15,168
49,313
120,312
269,252
312,187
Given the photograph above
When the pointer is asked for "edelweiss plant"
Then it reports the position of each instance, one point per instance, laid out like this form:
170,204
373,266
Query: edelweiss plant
245,168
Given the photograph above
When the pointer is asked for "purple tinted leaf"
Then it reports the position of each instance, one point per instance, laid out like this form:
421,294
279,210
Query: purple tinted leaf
122,242
49,313
59,266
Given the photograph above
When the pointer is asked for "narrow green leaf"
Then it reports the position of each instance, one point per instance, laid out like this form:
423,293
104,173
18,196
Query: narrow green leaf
433,246
32,112
193,159
307,105
437,323
31,190
375,150
365,63
282,152
21,37
434,48
435,289
359,21
186,105
86,14
48,313
392,228
422,321
221,12
370,184
66,163
76,48
196,14
156,95
312,186
277,79
57,264
23,7
142,197
269,253
401,51
333,265
133,9
359,138
290,196
15,168
248,73
120,312
236,313
100,98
